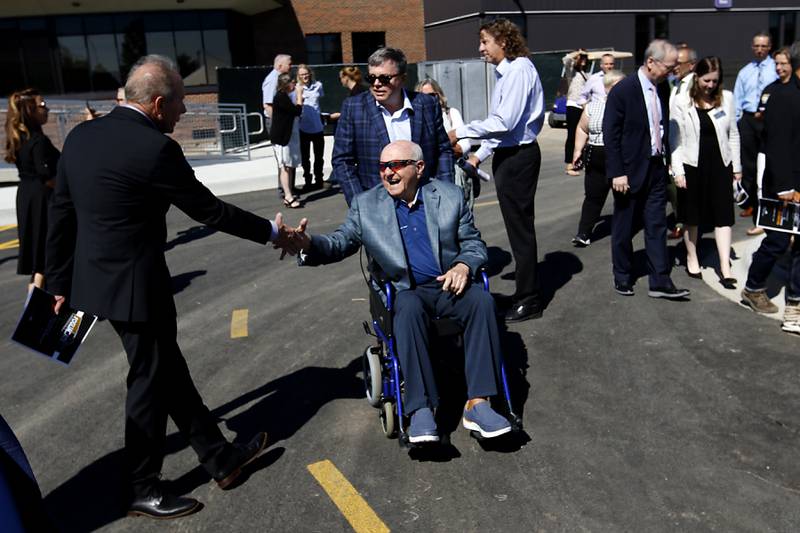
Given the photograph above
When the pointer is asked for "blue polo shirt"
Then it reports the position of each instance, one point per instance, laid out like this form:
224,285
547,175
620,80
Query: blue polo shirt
423,266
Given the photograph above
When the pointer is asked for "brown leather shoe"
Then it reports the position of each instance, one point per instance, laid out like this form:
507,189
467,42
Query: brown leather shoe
245,454
676,233
746,212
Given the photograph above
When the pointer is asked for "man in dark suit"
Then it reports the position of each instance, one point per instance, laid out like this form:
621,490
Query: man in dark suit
421,235
781,142
384,114
117,178
636,136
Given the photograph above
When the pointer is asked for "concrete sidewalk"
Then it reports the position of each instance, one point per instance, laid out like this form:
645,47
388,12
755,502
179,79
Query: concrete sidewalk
221,176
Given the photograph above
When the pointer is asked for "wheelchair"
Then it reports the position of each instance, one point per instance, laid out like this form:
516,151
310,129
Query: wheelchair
383,378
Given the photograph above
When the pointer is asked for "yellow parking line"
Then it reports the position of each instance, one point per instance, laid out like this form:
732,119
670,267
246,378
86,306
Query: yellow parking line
8,245
482,204
7,227
239,323
357,511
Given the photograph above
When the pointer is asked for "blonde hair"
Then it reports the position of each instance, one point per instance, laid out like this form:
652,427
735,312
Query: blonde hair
310,72
351,73
437,90
20,121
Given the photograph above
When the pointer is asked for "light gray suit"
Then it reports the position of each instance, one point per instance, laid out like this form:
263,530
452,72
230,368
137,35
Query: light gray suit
372,222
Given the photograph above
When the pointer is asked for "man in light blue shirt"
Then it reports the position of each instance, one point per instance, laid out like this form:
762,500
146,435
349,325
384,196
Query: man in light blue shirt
750,83
516,115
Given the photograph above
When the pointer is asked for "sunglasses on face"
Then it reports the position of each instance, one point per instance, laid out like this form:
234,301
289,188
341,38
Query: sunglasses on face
395,164
383,78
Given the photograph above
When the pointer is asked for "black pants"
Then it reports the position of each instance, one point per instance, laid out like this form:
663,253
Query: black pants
573,117
318,141
474,311
771,249
159,385
516,175
750,129
595,187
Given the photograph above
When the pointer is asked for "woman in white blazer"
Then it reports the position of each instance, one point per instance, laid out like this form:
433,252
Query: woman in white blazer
705,162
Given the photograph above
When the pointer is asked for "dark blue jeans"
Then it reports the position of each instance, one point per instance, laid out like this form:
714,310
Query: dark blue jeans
772,248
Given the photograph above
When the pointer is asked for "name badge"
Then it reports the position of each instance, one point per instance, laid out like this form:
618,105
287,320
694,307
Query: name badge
719,114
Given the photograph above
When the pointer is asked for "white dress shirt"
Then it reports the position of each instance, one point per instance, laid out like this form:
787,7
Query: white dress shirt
516,112
593,88
268,87
648,90
398,124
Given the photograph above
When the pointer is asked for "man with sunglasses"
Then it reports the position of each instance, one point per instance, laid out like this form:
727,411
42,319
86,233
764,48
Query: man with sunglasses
420,234
387,113
636,135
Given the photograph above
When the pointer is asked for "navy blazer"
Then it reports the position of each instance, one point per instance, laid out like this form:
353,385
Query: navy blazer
361,135
372,222
782,139
626,130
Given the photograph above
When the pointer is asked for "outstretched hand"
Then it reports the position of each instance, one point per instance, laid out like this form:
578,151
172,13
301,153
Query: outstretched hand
291,240
456,279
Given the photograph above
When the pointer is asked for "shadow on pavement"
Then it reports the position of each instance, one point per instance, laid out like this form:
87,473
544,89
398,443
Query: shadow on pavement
498,260
192,234
181,281
7,259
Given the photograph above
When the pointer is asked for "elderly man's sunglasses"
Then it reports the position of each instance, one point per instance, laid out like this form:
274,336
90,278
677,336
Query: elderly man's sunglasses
395,164
383,78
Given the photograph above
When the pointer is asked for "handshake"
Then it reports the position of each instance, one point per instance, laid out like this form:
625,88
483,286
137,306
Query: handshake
291,240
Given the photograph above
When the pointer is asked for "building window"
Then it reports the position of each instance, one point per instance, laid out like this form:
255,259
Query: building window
783,28
366,42
324,48
649,27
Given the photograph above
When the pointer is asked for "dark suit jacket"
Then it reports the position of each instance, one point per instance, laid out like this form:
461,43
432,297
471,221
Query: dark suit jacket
782,139
372,222
284,113
361,135
626,130
117,177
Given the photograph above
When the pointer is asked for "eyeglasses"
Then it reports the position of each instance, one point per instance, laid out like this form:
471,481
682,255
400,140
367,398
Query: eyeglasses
395,164
383,78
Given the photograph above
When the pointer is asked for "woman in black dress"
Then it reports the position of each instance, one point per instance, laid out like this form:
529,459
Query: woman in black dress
706,161
36,159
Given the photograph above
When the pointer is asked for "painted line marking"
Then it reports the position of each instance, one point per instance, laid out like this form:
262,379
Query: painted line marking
239,323
482,204
357,511
7,227
8,245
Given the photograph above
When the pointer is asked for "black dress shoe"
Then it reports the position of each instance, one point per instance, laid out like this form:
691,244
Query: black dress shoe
520,312
728,283
163,505
695,275
623,288
244,454
670,293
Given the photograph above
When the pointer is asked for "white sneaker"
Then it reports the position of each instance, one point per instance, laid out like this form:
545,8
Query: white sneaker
791,318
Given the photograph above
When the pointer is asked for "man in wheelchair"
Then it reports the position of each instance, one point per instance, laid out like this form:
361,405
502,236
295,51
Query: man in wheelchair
413,230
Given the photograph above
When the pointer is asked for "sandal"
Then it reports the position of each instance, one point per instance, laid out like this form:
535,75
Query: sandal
294,203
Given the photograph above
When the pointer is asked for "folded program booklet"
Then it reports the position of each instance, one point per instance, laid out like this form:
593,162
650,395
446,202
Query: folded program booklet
57,336
778,215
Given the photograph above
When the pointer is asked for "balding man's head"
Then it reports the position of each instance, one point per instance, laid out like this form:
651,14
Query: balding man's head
155,86
401,166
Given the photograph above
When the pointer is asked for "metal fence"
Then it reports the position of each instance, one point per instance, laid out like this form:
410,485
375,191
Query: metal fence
204,131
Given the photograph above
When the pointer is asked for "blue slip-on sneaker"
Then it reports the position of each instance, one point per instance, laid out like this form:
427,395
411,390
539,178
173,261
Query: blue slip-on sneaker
422,427
483,419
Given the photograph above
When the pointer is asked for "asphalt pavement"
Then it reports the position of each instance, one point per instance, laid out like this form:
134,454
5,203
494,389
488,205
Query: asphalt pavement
639,414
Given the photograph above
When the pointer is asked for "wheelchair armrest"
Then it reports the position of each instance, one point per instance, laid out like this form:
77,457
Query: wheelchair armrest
481,276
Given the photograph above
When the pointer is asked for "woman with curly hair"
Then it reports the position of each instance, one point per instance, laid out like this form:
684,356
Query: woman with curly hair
516,115
36,159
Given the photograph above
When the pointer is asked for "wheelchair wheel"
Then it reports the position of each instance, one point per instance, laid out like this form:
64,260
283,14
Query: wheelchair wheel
372,375
388,419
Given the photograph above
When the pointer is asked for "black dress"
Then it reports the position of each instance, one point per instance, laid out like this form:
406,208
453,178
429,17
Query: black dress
37,161
708,196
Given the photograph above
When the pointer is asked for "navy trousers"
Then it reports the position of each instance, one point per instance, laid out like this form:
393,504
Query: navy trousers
646,207
474,311
773,247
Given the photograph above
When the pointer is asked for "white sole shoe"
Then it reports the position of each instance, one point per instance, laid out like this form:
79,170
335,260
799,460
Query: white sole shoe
472,426
423,438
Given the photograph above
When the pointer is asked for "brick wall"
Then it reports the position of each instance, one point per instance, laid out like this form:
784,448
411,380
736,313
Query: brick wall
401,20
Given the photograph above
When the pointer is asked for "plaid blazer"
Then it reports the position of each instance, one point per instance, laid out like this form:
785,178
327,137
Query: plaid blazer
361,135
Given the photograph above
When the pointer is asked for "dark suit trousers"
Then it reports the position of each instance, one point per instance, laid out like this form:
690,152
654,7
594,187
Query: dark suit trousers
595,190
646,207
516,175
750,130
771,249
307,140
474,311
159,385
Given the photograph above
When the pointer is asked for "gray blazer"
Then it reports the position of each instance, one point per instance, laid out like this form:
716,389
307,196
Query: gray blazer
372,222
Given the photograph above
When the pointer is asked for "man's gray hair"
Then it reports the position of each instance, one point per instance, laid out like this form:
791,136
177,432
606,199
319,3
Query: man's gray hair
691,55
794,55
659,49
384,54
281,58
611,77
158,79
416,152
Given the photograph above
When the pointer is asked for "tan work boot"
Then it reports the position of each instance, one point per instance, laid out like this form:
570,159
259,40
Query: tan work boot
758,301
